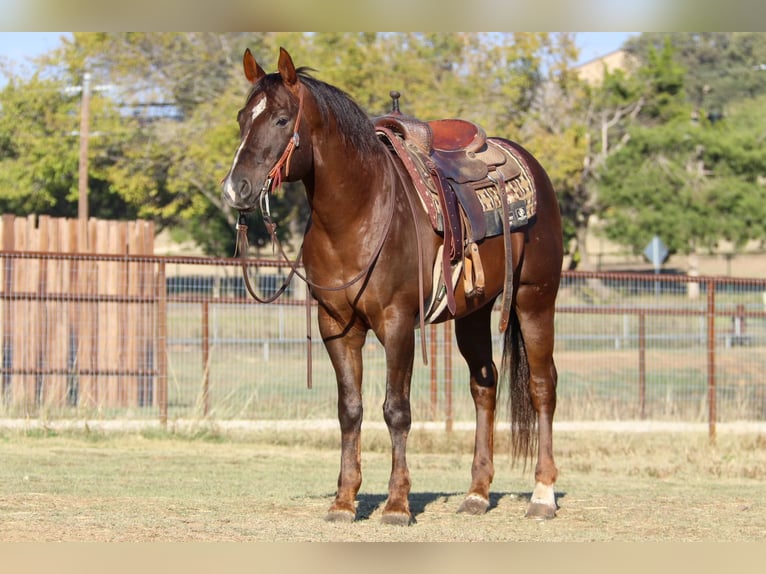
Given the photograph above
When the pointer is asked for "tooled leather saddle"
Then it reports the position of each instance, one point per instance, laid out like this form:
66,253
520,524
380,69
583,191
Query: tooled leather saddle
469,184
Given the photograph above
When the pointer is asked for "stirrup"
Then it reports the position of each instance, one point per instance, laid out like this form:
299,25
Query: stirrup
473,272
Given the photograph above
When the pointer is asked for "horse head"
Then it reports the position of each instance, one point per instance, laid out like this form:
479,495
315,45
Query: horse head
271,148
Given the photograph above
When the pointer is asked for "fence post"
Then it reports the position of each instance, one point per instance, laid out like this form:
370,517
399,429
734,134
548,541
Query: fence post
432,365
711,384
162,344
448,372
205,357
7,351
642,363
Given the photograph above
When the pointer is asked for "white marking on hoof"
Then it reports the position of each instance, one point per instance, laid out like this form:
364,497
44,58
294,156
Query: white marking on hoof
543,494
542,505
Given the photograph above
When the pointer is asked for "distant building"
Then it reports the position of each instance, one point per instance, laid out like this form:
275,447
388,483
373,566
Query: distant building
592,71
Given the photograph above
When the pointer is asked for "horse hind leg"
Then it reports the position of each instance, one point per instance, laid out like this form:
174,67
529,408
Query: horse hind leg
474,339
534,350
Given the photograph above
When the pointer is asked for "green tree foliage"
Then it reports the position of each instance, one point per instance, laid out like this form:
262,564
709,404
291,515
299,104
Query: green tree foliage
39,151
178,93
691,181
644,151
721,67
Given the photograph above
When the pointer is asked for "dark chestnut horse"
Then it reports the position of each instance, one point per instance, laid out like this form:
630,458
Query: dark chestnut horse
361,260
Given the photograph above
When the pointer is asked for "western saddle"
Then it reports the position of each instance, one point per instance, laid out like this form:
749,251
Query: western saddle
450,162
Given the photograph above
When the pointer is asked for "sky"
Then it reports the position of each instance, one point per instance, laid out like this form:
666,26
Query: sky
18,47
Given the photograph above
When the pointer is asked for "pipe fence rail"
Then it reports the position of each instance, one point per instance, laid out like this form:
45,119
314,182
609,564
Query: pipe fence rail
124,336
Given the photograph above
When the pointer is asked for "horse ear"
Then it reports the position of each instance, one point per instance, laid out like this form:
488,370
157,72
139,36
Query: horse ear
253,72
287,69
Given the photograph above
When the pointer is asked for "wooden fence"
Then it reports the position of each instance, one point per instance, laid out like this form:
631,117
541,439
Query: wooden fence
69,319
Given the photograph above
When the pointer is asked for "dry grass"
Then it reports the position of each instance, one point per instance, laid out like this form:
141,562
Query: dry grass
155,486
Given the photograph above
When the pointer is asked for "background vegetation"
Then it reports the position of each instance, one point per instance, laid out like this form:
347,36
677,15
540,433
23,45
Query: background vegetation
671,146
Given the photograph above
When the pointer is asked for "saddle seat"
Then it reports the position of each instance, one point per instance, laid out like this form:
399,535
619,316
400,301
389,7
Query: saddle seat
437,135
456,134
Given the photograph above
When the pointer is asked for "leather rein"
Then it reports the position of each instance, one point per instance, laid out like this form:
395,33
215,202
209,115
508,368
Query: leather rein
273,182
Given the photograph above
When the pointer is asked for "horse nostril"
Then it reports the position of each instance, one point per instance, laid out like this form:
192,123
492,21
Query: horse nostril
245,189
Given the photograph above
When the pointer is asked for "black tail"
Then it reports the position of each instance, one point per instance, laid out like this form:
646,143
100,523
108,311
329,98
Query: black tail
523,414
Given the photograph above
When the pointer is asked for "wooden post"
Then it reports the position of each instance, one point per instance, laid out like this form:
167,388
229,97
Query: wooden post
123,381
7,352
57,321
23,335
132,314
41,336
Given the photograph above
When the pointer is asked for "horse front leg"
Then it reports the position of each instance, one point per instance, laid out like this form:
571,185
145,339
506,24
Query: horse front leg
474,339
399,343
346,356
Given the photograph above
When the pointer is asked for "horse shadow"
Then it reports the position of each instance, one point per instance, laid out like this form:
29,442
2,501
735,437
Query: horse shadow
368,504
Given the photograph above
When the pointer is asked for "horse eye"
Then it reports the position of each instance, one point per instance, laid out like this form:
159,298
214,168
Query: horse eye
282,121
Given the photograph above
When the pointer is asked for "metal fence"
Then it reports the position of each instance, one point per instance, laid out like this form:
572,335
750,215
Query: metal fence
182,340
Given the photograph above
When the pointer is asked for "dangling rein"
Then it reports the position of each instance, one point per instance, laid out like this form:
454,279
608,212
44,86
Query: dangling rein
273,182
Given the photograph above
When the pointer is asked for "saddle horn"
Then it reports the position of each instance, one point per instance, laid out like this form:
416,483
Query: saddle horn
394,101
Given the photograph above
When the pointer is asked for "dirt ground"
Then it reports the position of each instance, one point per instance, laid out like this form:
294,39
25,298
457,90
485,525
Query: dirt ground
268,487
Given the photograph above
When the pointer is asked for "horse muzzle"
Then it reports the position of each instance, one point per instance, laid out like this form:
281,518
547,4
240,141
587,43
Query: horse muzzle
241,195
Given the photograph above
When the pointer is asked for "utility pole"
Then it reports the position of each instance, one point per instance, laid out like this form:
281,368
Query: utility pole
82,186
84,134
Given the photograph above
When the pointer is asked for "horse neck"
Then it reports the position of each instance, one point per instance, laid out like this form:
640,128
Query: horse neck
346,188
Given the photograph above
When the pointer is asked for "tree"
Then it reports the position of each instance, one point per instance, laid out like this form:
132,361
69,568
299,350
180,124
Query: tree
171,128
178,95
683,177
574,127
39,150
721,67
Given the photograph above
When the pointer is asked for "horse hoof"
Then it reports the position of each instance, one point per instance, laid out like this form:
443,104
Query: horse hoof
474,504
340,516
540,511
397,518
542,503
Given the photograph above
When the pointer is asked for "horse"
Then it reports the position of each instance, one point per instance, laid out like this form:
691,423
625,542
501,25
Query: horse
363,252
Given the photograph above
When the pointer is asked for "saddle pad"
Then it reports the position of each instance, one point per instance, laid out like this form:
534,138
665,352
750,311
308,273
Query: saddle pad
520,191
